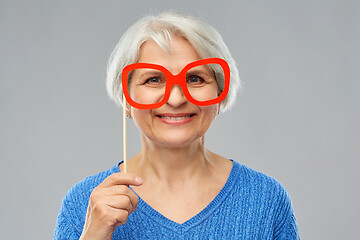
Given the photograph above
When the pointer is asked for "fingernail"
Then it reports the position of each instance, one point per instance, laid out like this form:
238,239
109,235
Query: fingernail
138,180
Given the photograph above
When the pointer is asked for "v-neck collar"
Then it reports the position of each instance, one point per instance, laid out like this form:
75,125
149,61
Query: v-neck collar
199,217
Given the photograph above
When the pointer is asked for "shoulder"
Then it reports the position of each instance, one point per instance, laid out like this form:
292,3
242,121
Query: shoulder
265,201
257,181
259,189
262,193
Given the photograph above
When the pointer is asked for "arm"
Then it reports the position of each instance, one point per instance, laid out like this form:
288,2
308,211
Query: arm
66,223
286,227
289,229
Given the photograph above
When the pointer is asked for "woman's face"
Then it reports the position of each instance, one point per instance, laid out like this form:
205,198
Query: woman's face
178,122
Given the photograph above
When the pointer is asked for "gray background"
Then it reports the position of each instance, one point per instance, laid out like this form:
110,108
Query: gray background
297,118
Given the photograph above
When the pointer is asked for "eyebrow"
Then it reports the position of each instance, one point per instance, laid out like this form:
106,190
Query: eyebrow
199,72
148,72
144,72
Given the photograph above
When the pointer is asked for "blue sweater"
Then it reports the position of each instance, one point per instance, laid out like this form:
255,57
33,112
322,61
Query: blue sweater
251,205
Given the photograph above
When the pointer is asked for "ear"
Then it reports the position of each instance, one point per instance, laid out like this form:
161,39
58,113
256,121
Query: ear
128,110
127,106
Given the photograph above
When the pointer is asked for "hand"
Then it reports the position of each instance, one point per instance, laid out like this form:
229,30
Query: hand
110,205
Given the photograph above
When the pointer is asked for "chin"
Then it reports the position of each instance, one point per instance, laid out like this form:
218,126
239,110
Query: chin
177,141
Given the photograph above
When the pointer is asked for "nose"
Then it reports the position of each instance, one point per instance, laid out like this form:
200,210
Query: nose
177,97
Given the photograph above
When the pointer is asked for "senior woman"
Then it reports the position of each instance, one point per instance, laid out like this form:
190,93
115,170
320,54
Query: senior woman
176,74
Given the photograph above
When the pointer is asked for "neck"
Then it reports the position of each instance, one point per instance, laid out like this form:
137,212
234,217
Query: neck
173,165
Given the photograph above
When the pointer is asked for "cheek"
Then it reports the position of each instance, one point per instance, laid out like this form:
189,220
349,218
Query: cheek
140,96
210,112
143,95
141,117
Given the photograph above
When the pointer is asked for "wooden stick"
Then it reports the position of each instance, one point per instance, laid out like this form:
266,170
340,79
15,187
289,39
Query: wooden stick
124,133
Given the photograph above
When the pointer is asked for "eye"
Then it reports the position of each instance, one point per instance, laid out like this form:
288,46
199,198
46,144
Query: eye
153,80
195,79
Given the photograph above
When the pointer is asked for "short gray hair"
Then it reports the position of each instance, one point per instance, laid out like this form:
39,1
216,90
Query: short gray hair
204,38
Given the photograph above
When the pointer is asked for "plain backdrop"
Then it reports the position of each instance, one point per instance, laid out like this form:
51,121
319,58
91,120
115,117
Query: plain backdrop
297,118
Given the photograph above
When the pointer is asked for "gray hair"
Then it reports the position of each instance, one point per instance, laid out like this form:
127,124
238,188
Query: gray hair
204,38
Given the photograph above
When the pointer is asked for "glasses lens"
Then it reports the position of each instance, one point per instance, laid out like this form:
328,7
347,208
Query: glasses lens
146,85
202,81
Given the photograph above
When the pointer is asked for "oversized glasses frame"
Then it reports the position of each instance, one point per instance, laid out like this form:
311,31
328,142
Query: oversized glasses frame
179,79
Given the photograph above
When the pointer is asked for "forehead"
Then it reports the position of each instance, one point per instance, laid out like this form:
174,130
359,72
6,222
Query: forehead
181,53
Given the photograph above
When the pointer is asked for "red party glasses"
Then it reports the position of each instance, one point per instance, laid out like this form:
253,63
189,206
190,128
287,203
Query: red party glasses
203,82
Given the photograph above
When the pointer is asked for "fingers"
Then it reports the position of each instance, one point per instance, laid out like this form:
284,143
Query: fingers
108,216
120,202
117,185
114,192
122,179
121,194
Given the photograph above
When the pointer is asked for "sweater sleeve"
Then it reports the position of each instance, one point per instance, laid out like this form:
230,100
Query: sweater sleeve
66,227
289,229
286,228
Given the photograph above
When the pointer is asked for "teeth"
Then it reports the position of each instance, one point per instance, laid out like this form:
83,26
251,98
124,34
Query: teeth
175,118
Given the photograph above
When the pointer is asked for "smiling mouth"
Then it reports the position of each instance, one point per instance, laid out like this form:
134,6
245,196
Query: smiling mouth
176,118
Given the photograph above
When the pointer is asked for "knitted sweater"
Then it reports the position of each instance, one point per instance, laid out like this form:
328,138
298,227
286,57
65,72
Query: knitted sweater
251,205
